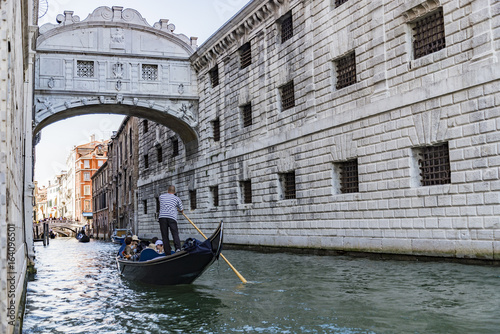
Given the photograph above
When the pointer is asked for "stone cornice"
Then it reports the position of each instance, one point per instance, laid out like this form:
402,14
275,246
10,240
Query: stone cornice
239,25
116,16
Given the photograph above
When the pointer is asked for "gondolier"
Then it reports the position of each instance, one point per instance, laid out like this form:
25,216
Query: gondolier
169,206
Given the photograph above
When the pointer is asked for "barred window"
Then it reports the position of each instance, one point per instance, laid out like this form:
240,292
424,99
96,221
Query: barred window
149,72
192,199
339,2
245,55
346,71
159,154
145,126
214,76
287,96
246,111
428,34
157,204
216,129
145,206
175,147
434,165
349,182
287,181
286,27
85,68
215,195
146,161
246,191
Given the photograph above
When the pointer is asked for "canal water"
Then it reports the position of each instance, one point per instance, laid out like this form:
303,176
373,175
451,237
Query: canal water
77,290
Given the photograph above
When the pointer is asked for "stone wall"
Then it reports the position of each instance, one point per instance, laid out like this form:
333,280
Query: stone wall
398,106
15,150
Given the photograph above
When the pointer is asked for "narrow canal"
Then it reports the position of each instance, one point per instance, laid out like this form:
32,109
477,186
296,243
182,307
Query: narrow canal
77,290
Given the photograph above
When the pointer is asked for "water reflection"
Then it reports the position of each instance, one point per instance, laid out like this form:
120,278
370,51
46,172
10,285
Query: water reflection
77,290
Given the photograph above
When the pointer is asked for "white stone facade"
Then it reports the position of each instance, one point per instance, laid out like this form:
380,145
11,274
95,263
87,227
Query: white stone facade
397,106
16,205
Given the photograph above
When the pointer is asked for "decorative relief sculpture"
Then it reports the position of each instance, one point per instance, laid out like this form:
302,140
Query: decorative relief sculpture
135,101
180,89
118,85
51,83
118,70
46,104
102,99
117,39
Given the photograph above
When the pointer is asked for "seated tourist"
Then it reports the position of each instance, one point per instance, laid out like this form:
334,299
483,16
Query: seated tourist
159,246
135,243
153,243
128,253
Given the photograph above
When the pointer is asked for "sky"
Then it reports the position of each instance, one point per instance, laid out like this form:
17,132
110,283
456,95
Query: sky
193,18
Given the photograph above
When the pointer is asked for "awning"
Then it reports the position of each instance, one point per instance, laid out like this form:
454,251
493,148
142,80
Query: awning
87,214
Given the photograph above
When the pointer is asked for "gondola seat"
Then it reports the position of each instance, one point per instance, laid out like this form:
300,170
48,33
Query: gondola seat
149,254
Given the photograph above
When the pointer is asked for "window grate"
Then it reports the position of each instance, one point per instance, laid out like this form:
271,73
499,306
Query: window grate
175,147
247,191
247,115
146,161
214,76
215,195
145,125
428,34
346,71
288,96
245,55
145,206
339,2
286,28
216,128
435,165
349,182
288,180
149,72
159,153
85,69
192,199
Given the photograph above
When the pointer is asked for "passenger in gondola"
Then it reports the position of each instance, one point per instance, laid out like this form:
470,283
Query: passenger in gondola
159,247
128,252
152,245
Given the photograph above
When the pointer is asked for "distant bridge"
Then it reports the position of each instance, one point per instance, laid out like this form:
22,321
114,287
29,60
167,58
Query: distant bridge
65,227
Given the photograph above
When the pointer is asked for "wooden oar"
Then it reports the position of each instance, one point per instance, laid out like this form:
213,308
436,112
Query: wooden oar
223,257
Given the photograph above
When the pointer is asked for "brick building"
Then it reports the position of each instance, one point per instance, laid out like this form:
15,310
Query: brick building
89,158
347,125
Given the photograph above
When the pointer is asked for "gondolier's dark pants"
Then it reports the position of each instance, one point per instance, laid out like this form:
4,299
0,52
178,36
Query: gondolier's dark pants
165,224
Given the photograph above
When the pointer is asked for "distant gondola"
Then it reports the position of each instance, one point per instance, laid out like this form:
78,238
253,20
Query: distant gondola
178,268
119,235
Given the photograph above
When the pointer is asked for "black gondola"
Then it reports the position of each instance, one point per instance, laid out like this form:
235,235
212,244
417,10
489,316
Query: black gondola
179,268
84,238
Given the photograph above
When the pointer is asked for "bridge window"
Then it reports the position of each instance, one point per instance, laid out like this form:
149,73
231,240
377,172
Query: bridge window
346,71
85,69
245,55
287,96
149,72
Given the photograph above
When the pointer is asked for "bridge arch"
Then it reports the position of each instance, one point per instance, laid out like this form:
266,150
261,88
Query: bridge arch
114,62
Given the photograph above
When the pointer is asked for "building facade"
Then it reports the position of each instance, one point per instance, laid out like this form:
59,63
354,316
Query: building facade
89,158
16,156
100,201
347,125
116,190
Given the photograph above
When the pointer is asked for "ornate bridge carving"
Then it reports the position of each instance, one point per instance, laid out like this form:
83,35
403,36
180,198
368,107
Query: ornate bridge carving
115,62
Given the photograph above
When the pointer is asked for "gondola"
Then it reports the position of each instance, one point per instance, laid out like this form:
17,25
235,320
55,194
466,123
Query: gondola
119,235
178,268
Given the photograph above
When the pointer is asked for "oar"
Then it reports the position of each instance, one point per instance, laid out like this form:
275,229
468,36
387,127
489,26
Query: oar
223,257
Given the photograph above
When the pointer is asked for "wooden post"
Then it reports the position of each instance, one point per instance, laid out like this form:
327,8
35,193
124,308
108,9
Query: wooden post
47,234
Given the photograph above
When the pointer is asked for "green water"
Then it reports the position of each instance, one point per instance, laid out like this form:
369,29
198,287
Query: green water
77,290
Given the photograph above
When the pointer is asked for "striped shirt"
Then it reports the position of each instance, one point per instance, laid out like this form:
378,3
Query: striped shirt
169,204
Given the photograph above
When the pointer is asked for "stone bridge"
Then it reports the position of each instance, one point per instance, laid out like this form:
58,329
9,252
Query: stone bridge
114,62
